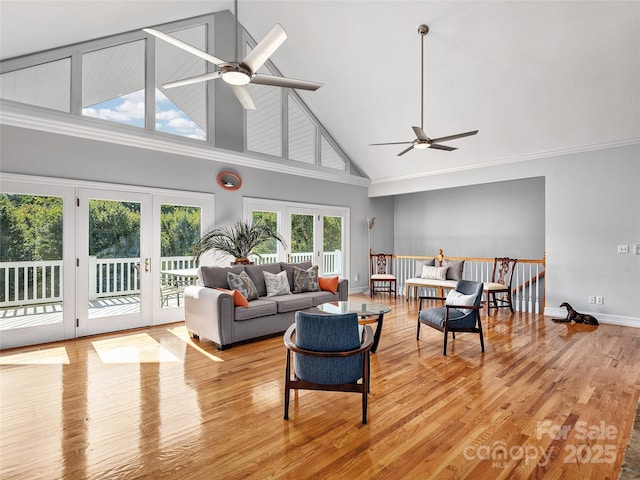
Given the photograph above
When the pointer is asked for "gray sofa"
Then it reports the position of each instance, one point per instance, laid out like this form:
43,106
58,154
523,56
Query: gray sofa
211,314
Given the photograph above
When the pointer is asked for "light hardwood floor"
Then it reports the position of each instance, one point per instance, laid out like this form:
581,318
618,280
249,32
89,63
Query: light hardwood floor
545,400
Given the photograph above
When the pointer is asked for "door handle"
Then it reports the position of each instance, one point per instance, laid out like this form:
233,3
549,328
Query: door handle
146,264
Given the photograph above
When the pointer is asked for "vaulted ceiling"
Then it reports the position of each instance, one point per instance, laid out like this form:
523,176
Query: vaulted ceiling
536,78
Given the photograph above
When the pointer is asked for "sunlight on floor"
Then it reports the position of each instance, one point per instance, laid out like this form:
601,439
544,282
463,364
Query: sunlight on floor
183,334
49,356
137,348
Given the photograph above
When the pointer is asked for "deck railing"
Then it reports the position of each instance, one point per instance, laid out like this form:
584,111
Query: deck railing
40,282
528,291
331,261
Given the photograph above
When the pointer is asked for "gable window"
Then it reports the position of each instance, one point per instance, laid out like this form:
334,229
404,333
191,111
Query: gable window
113,84
45,85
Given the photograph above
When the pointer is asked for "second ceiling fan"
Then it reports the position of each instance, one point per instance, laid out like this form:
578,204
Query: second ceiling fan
422,140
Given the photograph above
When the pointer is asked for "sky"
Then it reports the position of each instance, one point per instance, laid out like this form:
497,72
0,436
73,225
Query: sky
129,109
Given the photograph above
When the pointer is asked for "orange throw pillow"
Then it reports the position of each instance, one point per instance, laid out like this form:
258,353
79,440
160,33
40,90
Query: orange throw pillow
329,284
239,300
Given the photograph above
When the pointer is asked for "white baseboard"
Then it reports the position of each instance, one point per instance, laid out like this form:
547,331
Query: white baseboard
602,317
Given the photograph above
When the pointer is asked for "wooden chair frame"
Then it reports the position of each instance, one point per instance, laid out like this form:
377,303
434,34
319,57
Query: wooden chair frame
297,384
382,264
503,269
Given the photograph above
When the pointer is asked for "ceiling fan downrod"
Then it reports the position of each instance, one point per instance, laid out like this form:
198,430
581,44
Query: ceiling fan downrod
422,30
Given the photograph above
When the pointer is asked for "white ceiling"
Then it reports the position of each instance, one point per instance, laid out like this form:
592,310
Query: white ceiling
536,78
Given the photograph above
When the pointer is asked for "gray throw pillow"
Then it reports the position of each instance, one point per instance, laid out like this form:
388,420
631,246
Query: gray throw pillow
243,284
454,272
305,280
277,284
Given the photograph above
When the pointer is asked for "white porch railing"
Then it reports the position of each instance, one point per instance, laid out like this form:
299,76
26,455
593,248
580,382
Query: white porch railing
527,286
38,282
331,261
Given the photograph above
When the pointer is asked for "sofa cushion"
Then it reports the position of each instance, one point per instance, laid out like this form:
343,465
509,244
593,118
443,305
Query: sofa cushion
257,308
288,267
291,303
256,273
216,277
319,297
305,280
277,284
455,269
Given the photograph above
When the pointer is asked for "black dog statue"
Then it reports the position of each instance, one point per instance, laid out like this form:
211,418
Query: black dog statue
573,316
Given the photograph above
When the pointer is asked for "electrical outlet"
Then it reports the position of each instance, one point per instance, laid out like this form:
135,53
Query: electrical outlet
592,299
623,248
356,278
636,249
600,300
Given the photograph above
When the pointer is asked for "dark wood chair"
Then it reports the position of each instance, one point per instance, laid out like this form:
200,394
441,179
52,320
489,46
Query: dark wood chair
328,354
498,290
461,312
381,278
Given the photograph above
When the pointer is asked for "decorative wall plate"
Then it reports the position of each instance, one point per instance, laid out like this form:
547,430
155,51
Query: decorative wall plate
229,180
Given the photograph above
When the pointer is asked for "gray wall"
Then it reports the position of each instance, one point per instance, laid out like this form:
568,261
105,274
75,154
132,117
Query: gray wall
503,219
31,152
592,204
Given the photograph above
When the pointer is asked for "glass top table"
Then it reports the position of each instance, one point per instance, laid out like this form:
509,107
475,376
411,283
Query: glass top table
368,312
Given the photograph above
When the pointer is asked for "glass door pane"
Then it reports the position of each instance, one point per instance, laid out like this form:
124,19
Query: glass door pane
268,251
180,228
332,245
302,238
31,269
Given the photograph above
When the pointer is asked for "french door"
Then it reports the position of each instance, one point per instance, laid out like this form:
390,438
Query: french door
114,261
313,233
76,259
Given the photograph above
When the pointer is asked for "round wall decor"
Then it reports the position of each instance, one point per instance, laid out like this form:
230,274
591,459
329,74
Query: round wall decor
229,180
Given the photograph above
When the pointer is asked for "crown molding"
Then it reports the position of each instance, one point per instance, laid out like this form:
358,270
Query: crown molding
61,123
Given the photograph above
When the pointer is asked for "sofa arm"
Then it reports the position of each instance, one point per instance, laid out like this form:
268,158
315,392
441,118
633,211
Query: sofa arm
209,314
343,289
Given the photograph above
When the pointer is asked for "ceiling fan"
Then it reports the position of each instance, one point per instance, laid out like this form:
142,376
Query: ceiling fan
421,140
239,74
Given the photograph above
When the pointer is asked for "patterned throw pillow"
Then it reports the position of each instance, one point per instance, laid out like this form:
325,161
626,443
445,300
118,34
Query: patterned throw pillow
277,283
305,280
243,284
252,291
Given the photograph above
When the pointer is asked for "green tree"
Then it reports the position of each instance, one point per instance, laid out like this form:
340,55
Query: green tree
114,229
12,233
179,230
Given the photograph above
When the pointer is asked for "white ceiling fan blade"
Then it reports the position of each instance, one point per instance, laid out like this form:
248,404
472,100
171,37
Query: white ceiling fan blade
196,79
265,48
244,97
272,80
185,46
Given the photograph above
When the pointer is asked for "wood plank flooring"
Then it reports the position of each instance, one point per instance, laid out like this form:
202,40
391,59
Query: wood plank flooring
545,400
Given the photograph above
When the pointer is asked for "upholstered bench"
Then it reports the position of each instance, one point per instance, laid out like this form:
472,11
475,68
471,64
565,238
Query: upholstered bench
437,273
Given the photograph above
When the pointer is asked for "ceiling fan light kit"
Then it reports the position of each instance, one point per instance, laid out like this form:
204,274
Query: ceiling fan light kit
422,141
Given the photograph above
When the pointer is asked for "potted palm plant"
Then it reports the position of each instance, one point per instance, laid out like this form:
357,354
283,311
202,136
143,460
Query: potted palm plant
239,240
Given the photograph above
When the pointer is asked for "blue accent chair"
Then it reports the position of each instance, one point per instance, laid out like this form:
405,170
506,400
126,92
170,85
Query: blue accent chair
328,354
455,318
